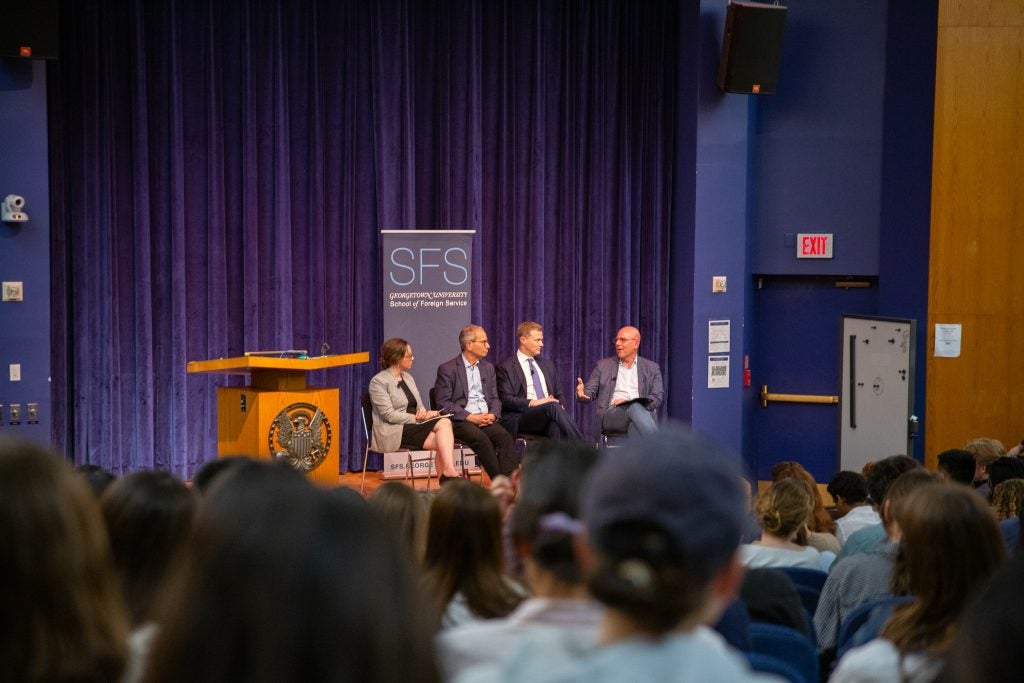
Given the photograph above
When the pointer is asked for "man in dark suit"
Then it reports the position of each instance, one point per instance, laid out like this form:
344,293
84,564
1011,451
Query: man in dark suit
627,388
531,398
466,389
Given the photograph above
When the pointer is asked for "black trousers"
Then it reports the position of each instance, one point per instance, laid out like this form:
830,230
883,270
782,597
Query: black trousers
493,445
550,420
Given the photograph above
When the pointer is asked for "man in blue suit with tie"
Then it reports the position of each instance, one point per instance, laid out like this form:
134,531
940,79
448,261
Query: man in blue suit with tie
466,390
531,398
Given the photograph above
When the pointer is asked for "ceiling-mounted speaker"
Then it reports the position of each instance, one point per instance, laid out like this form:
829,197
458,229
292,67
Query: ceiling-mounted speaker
751,48
28,29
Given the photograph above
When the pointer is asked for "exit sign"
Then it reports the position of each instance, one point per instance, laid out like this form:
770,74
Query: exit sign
814,245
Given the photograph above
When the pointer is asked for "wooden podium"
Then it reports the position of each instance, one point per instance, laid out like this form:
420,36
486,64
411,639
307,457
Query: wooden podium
277,415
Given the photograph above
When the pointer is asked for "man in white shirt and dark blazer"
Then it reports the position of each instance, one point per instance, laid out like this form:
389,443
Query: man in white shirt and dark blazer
531,397
466,390
626,388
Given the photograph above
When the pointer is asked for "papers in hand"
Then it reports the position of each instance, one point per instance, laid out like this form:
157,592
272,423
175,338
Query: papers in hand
643,401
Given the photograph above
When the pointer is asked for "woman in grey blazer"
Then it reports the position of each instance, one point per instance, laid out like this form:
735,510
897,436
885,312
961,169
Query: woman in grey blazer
400,419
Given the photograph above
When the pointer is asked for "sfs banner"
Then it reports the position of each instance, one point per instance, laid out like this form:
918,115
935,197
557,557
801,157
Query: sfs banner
427,294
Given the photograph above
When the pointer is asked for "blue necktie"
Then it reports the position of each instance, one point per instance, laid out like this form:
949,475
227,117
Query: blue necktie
536,379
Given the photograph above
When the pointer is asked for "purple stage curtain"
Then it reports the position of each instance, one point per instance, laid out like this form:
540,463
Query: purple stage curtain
221,170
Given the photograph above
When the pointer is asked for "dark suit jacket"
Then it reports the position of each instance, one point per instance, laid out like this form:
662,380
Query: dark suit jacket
601,385
451,388
512,388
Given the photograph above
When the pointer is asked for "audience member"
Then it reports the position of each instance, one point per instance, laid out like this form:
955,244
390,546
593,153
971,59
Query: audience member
61,614
1010,528
957,465
463,563
96,477
404,511
751,527
771,597
987,646
1008,499
545,528
985,452
820,531
865,575
849,490
213,469
949,548
505,490
284,582
663,517
783,510
346,493
149,516
400,417
881,476
1004,469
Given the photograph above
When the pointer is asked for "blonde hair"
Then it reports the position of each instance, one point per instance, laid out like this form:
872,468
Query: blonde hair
1007,499
784,507
985,451
820,520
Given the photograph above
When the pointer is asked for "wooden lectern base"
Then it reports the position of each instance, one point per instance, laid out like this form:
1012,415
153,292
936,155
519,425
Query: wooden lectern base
246,416
248,431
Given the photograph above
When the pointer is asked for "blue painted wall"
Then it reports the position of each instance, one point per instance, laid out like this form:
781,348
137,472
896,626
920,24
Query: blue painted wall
845,148
907,179
720,237
25,248
817,151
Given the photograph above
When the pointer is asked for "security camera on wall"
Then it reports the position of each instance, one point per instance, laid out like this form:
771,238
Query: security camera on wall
12,209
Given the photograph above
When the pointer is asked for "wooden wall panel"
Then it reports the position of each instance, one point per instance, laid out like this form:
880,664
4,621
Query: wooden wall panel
976,266
981,13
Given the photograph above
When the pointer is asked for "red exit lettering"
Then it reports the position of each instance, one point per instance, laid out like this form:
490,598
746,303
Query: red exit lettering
814,245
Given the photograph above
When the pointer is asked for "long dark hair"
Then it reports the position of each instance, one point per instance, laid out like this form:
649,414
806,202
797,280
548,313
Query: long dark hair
288,582
149,517
937,520
987,645
404,511
552,483
61,615
464,552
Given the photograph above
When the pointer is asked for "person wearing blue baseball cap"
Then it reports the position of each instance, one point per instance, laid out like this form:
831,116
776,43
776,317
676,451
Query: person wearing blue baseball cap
664,517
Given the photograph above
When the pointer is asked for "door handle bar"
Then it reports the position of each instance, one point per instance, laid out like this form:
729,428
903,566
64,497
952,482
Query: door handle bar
794,398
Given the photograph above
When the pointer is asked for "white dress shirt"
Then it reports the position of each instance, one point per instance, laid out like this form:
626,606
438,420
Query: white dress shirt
627,383
524,363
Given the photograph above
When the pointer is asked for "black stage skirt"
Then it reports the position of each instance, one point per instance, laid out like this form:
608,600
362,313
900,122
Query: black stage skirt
413,435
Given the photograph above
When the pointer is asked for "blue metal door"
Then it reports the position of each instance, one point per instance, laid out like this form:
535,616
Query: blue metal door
797,332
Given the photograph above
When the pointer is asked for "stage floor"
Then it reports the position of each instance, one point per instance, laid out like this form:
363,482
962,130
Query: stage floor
373,480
